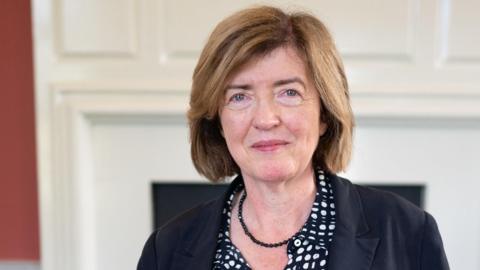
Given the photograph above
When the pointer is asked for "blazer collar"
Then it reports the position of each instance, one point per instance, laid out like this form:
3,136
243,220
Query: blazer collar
352,247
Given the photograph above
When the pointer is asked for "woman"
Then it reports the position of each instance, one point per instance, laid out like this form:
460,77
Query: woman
270,104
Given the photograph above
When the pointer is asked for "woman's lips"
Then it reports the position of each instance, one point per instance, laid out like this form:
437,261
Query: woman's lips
269,145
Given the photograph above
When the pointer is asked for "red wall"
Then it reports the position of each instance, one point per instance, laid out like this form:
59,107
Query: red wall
19,237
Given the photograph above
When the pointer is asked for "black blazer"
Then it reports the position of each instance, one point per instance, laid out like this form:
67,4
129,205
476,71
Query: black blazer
375,230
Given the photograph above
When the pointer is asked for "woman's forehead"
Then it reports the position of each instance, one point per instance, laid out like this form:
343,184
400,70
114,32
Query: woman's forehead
282,63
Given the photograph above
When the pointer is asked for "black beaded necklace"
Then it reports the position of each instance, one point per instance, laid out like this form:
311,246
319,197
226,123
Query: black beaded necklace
249,234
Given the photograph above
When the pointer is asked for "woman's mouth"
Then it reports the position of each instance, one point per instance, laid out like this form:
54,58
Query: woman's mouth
268,145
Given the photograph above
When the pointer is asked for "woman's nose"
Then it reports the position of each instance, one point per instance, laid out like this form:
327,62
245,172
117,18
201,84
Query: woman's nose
266,115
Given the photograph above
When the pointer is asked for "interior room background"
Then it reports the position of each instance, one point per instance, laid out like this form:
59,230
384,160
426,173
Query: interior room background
112,80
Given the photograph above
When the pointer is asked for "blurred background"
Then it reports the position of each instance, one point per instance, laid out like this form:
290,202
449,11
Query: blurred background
93,108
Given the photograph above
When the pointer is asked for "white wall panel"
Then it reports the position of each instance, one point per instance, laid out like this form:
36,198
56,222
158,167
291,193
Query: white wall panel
373,28
462,30
370,28
97,26
195,18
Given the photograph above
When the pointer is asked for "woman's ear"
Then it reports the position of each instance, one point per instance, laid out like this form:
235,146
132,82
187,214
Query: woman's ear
322,128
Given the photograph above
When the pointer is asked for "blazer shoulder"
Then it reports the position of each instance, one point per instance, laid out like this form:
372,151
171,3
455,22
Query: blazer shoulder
382,207
388,206
405,224
187,218
387,201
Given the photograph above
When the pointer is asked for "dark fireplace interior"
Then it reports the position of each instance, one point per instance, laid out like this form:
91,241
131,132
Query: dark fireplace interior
171,199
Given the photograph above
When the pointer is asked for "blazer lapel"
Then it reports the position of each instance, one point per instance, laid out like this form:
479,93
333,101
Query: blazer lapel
351,252
352,246
199,260
199,244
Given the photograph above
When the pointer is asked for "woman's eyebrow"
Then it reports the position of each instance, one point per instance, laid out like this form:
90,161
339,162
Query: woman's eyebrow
238,86
290,80
276,83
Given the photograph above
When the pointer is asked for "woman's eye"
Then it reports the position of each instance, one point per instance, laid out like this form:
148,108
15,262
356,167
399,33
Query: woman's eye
237,97
291,92
290,97
238,101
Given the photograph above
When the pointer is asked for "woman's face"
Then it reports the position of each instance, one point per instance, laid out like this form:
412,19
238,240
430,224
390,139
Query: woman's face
271,117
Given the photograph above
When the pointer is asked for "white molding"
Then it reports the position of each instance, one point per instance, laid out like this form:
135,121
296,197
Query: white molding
368,100
69,230
377,106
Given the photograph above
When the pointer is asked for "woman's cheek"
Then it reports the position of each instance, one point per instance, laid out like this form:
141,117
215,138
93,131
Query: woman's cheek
296,119
236,124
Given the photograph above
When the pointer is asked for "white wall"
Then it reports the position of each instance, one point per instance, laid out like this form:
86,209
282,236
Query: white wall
112,83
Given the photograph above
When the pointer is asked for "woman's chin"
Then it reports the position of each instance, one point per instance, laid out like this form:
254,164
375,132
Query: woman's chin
272,172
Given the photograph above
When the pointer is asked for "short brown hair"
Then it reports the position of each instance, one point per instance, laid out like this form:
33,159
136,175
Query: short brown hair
252,33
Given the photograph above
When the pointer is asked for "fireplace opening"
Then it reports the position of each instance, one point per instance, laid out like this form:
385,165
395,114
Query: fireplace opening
171,199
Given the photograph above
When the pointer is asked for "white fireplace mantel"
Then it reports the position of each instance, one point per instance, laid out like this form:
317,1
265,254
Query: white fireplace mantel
69,199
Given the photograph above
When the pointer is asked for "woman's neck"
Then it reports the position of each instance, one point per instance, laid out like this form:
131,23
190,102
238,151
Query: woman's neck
279,207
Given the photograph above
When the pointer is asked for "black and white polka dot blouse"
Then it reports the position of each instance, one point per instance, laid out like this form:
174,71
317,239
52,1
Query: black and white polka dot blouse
308,249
